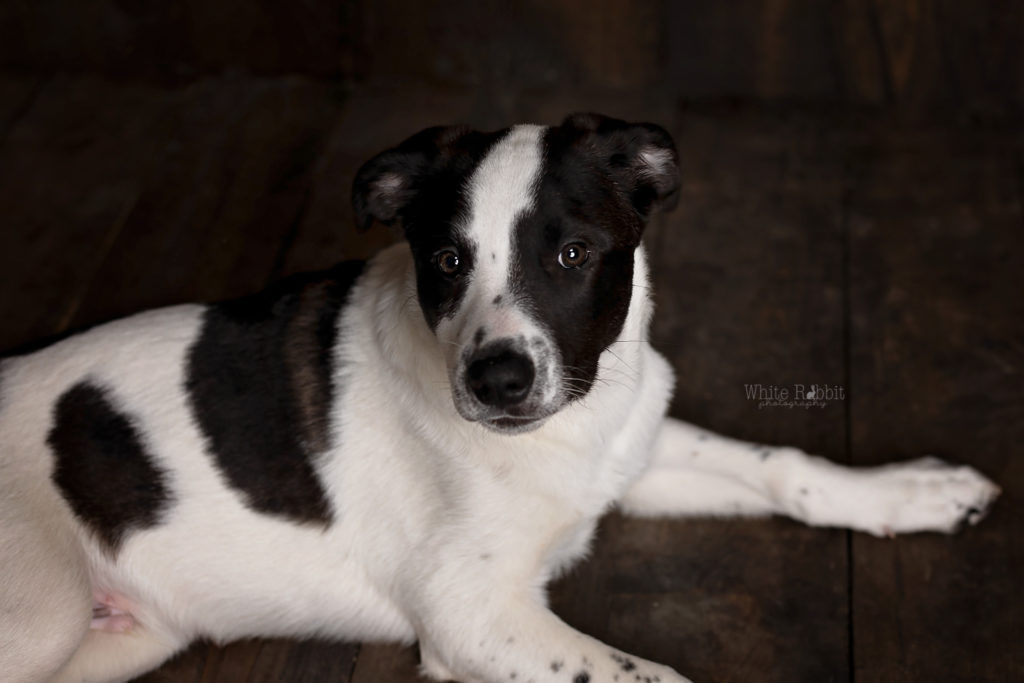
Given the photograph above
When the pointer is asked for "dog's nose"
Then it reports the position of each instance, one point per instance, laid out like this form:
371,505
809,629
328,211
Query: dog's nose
501,379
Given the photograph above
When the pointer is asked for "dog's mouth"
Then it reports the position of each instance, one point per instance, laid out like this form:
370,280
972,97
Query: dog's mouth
513,425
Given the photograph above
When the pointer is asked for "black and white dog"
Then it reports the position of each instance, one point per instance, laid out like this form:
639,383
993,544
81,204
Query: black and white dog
403,450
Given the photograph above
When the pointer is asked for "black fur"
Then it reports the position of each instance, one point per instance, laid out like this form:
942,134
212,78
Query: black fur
102,467
260,387
592,190
421,184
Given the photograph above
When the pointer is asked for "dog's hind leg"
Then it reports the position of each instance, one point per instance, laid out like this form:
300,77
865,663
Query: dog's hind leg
696,472
109,654
45,595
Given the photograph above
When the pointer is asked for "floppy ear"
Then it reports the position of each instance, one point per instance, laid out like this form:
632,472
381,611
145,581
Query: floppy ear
641,156
386,183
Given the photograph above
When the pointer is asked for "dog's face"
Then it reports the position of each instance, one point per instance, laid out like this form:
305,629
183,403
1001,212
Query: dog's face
523,241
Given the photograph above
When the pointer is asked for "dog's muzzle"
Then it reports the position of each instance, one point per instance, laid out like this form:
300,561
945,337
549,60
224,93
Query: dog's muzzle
504,386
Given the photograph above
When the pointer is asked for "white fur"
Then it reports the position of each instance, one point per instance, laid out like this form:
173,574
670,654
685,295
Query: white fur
500,190
444,531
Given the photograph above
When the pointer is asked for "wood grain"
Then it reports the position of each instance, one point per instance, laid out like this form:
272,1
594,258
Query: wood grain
938,368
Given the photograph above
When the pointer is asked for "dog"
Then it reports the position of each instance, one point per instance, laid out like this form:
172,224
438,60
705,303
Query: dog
406,449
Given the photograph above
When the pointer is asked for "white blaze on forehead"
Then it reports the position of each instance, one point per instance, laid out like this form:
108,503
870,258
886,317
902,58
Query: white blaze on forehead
500,190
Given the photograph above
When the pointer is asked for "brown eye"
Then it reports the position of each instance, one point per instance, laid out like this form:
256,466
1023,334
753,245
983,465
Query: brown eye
573,255
447,261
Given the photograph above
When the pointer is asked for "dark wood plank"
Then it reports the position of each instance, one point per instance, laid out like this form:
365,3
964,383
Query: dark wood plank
16,97
230,188
938,367
379,663
177,42
71,170
259,661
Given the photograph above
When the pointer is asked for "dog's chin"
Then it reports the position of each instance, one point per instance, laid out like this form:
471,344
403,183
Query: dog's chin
505,424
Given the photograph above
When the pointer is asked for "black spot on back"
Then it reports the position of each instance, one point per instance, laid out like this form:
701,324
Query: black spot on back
102,468
261,390
581,677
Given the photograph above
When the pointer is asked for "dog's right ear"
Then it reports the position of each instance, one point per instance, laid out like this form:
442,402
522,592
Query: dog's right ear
386,184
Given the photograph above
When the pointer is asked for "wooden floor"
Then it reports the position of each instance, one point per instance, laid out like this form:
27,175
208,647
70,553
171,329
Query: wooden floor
848,249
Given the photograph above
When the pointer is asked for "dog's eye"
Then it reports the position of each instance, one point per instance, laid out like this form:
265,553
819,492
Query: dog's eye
447,262
573,255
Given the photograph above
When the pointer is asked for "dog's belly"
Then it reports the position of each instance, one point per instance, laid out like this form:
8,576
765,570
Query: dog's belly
248,575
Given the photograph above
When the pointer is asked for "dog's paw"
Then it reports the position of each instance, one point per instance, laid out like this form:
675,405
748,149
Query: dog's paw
927,494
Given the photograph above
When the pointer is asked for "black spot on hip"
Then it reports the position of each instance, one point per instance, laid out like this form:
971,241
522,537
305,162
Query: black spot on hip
260,387
102,467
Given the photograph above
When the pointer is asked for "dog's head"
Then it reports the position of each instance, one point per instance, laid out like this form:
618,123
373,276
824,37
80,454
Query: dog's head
523,241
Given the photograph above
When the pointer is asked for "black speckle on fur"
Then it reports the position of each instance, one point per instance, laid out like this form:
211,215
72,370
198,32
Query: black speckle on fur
765,454
260,387
625,663
478,337
581,677
497,300
102,467
556,666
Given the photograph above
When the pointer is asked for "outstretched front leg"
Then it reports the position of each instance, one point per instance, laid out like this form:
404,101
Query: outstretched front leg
480,616
696,472
514,639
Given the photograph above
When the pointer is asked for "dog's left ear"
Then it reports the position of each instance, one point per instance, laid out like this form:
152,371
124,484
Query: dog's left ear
385,184
641,156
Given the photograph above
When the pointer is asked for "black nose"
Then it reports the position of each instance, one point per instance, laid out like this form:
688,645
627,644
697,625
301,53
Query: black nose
501,378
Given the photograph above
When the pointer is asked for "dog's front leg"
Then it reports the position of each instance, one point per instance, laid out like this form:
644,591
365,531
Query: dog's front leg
697,472
476,632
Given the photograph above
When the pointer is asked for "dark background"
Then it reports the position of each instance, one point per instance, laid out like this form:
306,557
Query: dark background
852,213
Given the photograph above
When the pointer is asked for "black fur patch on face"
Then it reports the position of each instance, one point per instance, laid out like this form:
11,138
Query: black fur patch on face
422,184
593,192
260,387
102,467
